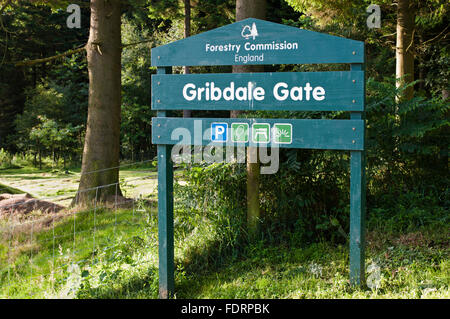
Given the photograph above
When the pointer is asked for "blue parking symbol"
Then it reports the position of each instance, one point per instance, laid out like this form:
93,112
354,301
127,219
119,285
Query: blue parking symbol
219,132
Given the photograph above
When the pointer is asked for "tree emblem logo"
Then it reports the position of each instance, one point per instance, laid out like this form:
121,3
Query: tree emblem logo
248,31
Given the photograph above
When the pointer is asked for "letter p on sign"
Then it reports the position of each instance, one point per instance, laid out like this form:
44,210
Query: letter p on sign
219,132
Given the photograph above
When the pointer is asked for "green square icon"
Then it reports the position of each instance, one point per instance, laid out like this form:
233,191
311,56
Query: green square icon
282,133
261,133
239,132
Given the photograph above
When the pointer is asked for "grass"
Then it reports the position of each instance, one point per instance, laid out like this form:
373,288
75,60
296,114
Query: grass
45,252
123,264
61,256
319,271
9,190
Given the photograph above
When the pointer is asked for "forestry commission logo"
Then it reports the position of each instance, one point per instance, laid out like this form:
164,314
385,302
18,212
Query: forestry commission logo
248,31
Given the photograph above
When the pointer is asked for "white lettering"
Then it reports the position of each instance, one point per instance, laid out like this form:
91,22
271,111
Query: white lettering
191,93
241,93
296,93
258,93
284,92
228,93
319,93
216,93
281,92
222,47
307,89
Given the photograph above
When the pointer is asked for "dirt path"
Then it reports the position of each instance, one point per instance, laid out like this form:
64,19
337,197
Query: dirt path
21,205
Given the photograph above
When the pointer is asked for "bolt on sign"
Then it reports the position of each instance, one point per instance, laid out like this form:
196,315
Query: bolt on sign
250,42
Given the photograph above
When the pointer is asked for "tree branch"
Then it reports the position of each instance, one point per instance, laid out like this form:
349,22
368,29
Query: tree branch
135,43
70,52
436,36
32,62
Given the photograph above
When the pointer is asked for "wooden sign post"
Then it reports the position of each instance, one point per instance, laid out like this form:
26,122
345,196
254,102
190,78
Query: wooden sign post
253,41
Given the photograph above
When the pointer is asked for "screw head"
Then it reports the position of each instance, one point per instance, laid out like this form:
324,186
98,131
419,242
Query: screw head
159,57
353,101
352,81
353,141
159,101
159,136
354,128
159,125
160,82
352,53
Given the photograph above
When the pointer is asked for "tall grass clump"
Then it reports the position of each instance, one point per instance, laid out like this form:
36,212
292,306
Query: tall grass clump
209,213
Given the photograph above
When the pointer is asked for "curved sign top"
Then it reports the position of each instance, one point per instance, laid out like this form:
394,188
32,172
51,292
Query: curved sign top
252,41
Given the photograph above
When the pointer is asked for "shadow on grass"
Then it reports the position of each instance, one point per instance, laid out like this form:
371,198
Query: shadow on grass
135,287
208,260
10,190
201,267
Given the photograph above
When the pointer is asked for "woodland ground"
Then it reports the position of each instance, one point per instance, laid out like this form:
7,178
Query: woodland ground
112,253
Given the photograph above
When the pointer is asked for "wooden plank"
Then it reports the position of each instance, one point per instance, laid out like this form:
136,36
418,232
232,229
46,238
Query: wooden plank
272,43
357,206
165,222
165,216
357,218
294,91
311,134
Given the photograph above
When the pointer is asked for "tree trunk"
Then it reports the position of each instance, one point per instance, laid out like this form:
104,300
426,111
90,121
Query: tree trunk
187,33
101,146
405,46
251,9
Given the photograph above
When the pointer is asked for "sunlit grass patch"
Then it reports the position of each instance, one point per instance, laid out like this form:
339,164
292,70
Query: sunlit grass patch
45,250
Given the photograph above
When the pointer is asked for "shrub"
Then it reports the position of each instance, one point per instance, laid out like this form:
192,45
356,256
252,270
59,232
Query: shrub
5,159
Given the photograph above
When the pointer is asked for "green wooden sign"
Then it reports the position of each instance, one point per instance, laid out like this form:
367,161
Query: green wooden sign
300,91
253,41
312,134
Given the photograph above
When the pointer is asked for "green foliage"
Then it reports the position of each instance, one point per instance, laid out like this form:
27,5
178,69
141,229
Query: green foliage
43,135
136,92
435,65
5,159
76,264
214,214
407,250
407,144
31,31
302,202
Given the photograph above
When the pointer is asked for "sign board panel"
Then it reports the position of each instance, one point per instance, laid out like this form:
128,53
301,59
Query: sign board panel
253,41
295,91
285,133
